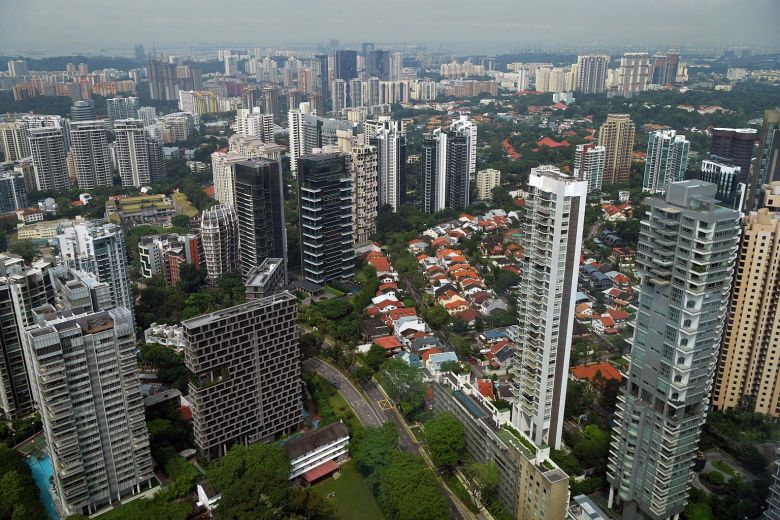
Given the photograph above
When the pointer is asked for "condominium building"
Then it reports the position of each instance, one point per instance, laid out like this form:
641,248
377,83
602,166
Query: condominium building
685,258
89,146
47,147
22,289
325,217
434,171
83,111
736,145
309,131
749,365
13,192
219,235
589,161
345,65
85,377
530,485
616,135
552,238
138,156
389,138
667,158
259,205
767,165
163,255
364,161
198,101
463,126
633,73
14,143
266,279
121,108
664,69
148,115
99,249
726,176
163,85
486,181
339,96
245,368
356,93
591,74
254,123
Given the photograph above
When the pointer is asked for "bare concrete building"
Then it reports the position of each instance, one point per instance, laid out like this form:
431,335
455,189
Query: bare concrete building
246,373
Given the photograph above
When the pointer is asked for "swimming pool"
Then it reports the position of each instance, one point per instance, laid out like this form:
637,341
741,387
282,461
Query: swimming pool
41,471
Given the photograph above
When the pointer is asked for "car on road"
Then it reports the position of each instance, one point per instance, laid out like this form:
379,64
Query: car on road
335,384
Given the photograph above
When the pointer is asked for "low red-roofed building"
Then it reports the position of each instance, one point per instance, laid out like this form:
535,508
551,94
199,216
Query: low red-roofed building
391,344
485,387
434,350
468,316
588,372
400,313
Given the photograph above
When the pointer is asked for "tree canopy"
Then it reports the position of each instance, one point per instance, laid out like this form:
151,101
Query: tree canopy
446,440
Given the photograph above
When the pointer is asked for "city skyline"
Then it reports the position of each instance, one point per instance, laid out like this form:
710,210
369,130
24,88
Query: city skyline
39,25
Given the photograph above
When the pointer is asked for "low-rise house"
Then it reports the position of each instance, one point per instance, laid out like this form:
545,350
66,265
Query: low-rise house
168,335
318,453
603,324
623,257
391,344
434,361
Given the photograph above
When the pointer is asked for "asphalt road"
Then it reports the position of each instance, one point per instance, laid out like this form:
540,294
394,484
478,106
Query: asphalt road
365,413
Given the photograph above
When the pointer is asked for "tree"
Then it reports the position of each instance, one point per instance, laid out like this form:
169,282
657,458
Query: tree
309,344
24,248
436,317
580,399
362,375
404,385
592,450
482,480
371,448
191,279
18,492
408,490
446,440
180,221
375,357
504,280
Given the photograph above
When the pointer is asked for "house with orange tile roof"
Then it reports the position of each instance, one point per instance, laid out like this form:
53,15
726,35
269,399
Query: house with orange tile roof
589,372
604,324
485,387
455,307
391,344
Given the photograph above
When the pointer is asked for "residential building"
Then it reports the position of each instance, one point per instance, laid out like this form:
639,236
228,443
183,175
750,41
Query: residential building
138,156
168,335
773,500
530,486
148,115
47,147
378,65
749,368
633,73
364,165
219,235
266,279
551,240
14,141
355,93
121,108
339,96
245,368
460,159
231,64
325,217
22,289
589,161
309,131
667,158
163,255
85,377
13,192
616,135
89,146
345,65
252,122
163,84
155,210
434,171
486,181
389,138
223,170
685,259
463,126
767,165
591,74
664,69
99,249
198,101
259,205
18,68
83,111
726,176
736,145
321,64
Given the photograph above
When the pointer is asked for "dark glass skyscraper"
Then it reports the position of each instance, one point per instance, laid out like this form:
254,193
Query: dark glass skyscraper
378,64
259,208
346,65
736,145
325,217
322,61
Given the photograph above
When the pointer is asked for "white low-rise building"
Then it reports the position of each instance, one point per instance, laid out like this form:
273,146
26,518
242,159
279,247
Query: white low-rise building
317,453
168,335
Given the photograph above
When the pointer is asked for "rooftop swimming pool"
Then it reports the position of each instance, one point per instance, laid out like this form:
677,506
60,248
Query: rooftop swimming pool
41,471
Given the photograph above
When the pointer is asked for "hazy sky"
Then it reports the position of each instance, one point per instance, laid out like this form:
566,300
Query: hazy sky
68,25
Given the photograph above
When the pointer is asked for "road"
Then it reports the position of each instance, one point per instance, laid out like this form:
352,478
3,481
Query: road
363,410
370,413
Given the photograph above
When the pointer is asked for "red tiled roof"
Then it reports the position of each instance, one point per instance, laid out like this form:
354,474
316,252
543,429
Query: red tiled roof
467,315
433,350
589,371
485,387
388,342
401,312
326,468
209,190
551,143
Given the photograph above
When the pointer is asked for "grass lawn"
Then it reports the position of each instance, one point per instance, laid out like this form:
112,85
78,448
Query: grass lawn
344,412
725,468
332,290
352,499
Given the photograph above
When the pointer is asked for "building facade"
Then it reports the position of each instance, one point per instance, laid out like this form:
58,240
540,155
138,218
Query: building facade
633,73
325,217
163,255
132,153
685,258
767,165
591,74
434,171
667,158
246,373
726,176
364,164
47,147
552,238
89,146
589,161
259,208
219,236
736,145
616,135
121,108
14,141
389,138
749,366
486,181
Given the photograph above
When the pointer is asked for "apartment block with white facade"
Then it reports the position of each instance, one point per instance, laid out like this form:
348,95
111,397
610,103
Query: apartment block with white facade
486,181
589,161
551,239
89,146
219,236
667,158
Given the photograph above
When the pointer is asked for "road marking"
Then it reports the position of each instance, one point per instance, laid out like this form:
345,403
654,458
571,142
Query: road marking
385,404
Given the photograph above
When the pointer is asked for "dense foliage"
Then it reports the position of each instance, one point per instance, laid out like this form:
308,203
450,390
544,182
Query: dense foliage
18,493
446,440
